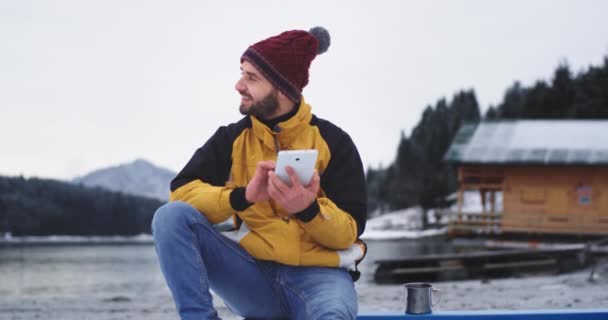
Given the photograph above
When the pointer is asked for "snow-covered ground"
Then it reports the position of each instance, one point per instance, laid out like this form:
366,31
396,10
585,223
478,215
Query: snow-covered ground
407,223
565,291
401,224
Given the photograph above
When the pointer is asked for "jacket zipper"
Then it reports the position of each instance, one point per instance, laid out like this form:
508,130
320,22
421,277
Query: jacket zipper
276,129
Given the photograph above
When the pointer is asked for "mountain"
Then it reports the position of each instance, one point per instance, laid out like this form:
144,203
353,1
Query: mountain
139,177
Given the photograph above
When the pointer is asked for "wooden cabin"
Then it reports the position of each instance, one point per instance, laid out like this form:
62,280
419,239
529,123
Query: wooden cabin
550,175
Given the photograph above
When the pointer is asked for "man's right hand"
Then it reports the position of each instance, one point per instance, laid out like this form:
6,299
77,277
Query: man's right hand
257,189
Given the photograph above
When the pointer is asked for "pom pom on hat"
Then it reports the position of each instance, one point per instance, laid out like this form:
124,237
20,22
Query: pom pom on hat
285,59
322,36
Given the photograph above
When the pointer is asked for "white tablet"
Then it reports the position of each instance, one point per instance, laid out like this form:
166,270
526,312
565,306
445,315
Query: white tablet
302,162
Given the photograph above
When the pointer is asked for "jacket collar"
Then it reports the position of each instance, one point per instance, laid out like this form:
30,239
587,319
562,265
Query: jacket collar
285,131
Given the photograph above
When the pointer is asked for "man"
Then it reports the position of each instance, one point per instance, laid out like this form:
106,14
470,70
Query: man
293,249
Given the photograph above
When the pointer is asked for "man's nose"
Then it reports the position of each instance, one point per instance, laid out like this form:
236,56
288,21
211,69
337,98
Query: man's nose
239,86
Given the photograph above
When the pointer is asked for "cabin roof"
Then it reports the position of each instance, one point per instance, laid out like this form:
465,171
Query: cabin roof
559,142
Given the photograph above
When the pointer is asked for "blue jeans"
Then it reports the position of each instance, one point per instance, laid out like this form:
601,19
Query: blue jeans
195,258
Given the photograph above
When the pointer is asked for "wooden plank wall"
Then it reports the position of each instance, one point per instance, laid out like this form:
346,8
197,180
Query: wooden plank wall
558,199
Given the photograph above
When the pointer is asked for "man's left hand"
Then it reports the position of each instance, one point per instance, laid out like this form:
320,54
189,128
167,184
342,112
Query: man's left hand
296,197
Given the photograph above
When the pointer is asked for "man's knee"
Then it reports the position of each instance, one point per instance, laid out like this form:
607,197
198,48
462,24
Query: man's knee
174,215
335,308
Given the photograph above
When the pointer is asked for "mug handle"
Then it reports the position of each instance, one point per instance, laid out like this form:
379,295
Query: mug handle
438,292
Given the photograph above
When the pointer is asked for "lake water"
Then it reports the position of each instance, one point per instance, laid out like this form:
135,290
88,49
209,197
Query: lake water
85,268
79,269
57,277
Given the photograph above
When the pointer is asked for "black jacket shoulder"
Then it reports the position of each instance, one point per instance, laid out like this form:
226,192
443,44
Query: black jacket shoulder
211,163
344,179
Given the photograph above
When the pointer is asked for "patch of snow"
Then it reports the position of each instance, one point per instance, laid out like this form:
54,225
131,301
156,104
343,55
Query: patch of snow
562,291
401,224
471,202
401,234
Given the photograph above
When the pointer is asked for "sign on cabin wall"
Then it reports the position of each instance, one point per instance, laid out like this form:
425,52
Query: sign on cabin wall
583,194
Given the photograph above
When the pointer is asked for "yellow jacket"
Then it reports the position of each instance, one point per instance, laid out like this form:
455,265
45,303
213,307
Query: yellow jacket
325,234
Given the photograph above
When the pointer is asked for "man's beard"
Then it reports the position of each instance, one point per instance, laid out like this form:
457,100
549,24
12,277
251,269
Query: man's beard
263,109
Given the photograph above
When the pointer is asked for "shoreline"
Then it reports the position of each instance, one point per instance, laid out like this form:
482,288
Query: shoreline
76,240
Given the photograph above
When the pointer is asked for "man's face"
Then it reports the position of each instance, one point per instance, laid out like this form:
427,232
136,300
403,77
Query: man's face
258,96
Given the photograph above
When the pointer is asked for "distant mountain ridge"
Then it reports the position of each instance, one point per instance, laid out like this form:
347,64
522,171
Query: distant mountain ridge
140,177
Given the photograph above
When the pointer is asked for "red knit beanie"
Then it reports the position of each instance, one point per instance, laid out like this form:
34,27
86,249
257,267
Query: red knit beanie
285,59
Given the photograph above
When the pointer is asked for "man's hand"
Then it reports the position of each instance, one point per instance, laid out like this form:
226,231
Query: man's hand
295,198
257,189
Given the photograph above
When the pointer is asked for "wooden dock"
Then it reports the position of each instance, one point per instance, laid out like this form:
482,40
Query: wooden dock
481,265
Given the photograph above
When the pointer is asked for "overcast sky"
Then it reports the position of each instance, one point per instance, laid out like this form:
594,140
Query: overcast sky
89,84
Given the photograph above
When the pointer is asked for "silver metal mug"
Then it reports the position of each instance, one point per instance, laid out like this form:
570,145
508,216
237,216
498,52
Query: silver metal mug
420,297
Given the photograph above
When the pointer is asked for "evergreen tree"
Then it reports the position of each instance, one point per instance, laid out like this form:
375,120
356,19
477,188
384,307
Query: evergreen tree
419,176
48,207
